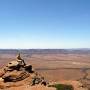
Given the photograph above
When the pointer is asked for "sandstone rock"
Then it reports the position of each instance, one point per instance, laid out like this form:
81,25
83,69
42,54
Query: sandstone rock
2,72
16,72
15,76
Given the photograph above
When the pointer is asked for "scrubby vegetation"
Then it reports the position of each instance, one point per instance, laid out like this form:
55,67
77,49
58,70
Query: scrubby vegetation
62,87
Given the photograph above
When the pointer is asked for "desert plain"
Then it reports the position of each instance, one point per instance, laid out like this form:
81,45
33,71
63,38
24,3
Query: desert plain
61,66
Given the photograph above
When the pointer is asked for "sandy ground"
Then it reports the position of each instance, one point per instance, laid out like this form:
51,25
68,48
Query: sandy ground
38,87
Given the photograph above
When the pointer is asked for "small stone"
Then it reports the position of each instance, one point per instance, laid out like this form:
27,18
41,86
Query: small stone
1,80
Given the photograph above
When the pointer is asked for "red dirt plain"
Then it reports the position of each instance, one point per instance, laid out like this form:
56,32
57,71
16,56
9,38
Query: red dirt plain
56,67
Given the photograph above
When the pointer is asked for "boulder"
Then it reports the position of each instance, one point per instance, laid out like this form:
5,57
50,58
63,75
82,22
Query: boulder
15,76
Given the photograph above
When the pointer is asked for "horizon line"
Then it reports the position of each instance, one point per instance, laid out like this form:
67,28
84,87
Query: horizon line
39,48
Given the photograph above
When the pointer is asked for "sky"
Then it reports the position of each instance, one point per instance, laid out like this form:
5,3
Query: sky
51,24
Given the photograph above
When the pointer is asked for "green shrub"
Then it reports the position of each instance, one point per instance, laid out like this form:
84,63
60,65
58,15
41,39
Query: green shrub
62,87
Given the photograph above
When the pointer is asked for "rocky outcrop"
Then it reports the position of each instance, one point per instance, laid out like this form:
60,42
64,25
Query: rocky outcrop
16,72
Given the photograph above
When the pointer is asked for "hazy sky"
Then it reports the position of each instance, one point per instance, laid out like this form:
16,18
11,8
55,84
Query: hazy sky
44,23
